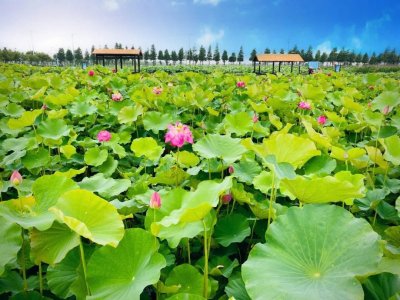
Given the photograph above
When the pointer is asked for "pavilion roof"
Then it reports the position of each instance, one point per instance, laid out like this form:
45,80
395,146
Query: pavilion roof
117,52
278,58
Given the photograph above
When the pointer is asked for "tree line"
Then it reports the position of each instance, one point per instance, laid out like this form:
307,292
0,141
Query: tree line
198,56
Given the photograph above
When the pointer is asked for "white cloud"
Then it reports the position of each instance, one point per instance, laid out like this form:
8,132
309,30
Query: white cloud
325,47
356,42
209,37
212,2
177,3
112,5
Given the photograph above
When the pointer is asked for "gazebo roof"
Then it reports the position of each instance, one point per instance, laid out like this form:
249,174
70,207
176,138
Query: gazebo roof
117,52
278,58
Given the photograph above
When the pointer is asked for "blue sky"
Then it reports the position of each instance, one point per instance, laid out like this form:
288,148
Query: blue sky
46,25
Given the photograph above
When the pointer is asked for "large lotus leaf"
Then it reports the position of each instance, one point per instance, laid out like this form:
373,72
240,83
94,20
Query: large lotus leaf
314,252
240,123
10,242
82,109
246,170
106,187
343,187
182,212
320,139
18,144
376,156
13,110
129,114
387,98
312,92
95,156
219,146
348,154
186,296
188,278
123,272
27,119
230,229
36,158
392,149
53,244
188,159
351,105
147,147
156,121
264,181
90,216
382,286
320,165
29,295
53,129
59,98
287,148
235,287
68,150
12,157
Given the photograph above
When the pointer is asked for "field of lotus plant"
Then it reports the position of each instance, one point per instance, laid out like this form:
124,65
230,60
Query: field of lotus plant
198,186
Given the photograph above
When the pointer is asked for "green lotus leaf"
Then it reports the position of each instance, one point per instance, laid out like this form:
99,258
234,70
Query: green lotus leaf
343,187
156,121
309,256
246,170
172,176
348,154
68,150
222,266
259,107
235,287
108,167
230,229
392,149
95,156
12,157
27,119
36,158
13,110
147,147
129,114
320,139
10,242
117,149
287,148
373,118
320,165
106,187
275,120
312,92
57,114
381,286
351,105
264,181
59,98
29,295
188,159
123,272
90,216
182,212
71,173
53,129
239,123
18,144
188,278
386,98
186,296
219,146
52,245
82,109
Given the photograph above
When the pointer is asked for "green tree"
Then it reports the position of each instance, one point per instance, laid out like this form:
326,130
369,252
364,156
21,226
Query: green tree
333,55
69,56
78,55
209,54
92,55
153,54
160,57
217,56
202,54
195,56
232,58
240,56
189,56
61,56
167,56
224,56
324,57
308,56
174,57
146,56
87,56
365,58
373,60
318,55
267,51
282,51
253,54
181,55
294,50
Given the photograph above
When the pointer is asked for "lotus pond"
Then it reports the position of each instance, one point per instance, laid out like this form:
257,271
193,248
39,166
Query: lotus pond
194,186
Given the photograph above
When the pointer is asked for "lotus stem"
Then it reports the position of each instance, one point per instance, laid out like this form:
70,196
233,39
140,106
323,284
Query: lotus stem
205,283
209,170
23,262
271,199
376,150
188,250
40,279
84,266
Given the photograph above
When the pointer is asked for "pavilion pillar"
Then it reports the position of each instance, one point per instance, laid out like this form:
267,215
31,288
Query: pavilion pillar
279,68
273,67
291,68
259,67
97,60
116,64
104,62
134,64
138,60
299,68
254,66
120,61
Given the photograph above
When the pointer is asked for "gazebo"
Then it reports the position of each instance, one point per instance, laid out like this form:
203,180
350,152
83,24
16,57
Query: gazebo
134,54
277,58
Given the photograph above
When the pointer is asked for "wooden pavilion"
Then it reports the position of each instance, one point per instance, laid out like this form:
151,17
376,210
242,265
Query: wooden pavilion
119,54
277,58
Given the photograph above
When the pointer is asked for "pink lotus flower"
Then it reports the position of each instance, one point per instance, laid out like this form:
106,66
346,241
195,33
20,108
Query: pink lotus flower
226,198
304,105
91,73
114,70
44,107
240,84
116,97
104,136
16,178
322,120
155,200
157,90
255,118
178,134
231,169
